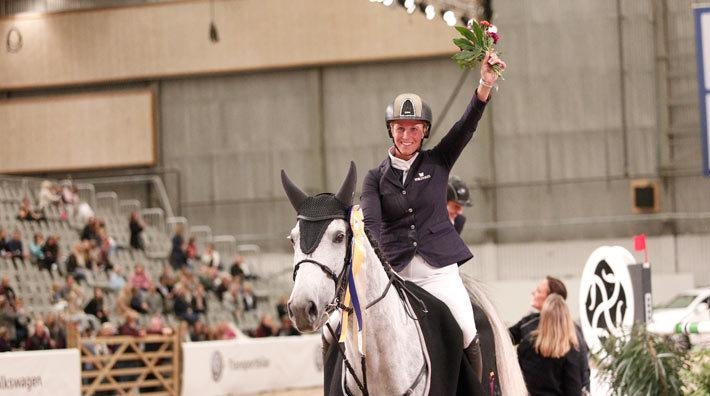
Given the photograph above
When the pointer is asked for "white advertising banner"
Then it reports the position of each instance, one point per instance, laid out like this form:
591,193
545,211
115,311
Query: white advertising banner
251,365
55,372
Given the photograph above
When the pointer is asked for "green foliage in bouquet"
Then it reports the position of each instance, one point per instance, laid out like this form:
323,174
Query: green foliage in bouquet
474,43
642,363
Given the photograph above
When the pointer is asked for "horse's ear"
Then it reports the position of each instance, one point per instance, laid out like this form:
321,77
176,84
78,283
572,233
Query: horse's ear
295,195
347,190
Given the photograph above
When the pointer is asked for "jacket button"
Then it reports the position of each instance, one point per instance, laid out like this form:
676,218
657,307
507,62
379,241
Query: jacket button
410,210
412,226
414,244
404,192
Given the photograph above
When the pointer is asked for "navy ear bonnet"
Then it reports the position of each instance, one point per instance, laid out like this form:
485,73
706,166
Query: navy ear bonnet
314,216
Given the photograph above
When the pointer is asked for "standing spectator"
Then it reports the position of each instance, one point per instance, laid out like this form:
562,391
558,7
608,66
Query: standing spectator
520,331
549,357
40,339
48,195
178,256
36,254
51,253
457,197
27,213
136,226
211,257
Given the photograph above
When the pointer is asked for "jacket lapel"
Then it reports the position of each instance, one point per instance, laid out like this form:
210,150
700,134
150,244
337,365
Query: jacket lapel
390,174
413,169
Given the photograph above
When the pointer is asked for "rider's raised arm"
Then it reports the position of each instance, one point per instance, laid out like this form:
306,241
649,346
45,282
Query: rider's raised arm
370,204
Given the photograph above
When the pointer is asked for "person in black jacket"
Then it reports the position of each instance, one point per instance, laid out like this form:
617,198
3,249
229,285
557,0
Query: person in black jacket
457,197
528,324
404,202
549,356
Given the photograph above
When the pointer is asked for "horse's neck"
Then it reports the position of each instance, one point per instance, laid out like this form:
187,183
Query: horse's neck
391,337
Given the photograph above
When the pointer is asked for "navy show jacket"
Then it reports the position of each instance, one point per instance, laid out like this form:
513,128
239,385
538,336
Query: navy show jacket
411,217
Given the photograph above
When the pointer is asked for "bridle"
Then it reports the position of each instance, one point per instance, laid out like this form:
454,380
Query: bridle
340,281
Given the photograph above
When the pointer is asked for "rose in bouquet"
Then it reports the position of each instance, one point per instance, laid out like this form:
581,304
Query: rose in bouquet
475,41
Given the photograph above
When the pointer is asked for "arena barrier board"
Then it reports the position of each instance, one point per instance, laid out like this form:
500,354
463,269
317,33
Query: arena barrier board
252,365
55,372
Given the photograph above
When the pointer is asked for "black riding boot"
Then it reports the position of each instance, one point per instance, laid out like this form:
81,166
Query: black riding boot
473,354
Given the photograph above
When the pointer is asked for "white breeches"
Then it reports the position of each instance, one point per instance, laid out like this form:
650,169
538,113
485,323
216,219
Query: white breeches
445,284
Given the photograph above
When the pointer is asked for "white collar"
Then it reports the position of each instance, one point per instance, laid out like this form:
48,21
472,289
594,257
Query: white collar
399,163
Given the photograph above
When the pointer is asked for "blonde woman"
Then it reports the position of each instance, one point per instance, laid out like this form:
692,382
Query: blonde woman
549,356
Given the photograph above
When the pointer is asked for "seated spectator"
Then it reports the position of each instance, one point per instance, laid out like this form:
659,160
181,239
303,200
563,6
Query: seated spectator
5,342
182,306
136,226
248,297
266,328
105,245
116,279
22,323
223,286
282,307
211,257
199,301
90,232
3,243
137,303
140,279
27,213
96,306
199,332
233,301
167,280
78,263
8,315
240,269
191,249
36,254
287,327
57,327
49,195
70,200
14,246
155,302
130,326
224,332
83,213
50,250
40,339
549,357
7,291
71,291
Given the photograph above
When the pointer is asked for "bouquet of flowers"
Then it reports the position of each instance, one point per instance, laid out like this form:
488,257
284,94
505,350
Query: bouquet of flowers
477,39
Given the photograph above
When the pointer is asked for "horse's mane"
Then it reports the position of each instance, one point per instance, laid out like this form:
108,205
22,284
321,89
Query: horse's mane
378,252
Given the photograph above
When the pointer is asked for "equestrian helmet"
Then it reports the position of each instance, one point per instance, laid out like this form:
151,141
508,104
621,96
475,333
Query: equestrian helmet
457,191
408,106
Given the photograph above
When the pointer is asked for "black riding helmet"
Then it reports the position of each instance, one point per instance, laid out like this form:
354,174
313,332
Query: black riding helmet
457,191
408,106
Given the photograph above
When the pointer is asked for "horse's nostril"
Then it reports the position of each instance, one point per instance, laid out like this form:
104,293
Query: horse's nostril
290,311
312,310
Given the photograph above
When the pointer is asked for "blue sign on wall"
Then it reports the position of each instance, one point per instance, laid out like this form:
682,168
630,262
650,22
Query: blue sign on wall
702,51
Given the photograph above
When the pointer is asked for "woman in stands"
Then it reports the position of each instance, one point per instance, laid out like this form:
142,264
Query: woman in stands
404,201
550,356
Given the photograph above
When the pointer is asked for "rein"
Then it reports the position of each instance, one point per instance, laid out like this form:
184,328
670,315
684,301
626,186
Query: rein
337,302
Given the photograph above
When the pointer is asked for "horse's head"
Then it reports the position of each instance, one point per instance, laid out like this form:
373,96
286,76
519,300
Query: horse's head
320,244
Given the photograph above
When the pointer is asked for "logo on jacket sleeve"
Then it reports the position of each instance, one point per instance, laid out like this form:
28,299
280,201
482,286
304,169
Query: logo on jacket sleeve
421,176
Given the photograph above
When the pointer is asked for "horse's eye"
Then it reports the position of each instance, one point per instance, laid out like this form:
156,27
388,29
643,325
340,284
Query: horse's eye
339,237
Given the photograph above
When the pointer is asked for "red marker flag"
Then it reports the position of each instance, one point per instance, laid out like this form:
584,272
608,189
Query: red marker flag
640,242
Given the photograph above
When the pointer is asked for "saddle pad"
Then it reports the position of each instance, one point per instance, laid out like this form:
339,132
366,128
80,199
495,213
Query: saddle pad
450,374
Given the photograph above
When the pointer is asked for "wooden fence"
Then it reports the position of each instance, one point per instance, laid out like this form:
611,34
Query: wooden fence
148,365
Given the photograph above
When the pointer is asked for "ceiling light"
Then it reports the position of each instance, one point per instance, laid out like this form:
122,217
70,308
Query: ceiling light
430,12
449,17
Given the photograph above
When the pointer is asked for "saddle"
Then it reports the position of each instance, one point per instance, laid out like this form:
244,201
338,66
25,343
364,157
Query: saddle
449,372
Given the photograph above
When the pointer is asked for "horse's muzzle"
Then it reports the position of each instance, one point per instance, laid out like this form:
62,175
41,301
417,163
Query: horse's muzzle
305,315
